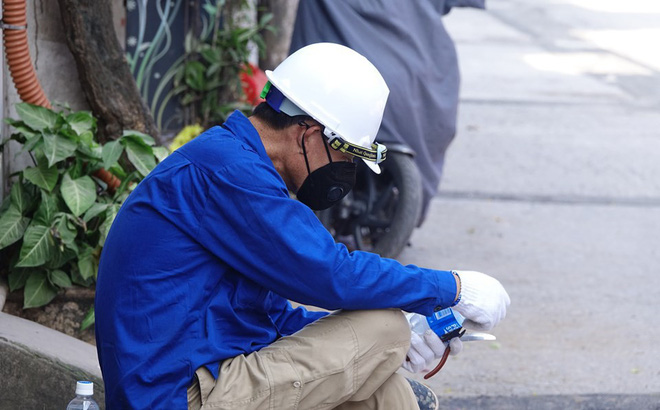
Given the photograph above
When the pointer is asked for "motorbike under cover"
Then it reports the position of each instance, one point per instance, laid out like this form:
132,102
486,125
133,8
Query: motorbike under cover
409,45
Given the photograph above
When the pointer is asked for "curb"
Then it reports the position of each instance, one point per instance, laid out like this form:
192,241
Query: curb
41,366
551,402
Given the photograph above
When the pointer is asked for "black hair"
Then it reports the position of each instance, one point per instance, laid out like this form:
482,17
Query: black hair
277,120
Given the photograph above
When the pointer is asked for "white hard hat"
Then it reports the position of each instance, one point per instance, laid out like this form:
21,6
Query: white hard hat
340,89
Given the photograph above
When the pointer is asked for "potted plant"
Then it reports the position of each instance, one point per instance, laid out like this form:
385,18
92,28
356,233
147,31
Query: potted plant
56,217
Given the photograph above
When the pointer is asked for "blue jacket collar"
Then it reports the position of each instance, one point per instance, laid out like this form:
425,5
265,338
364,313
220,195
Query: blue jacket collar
239,125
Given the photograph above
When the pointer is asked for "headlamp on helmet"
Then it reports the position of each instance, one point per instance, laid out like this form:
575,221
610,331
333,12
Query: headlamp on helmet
377,153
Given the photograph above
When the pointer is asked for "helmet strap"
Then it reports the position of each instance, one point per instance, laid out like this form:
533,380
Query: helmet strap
377,153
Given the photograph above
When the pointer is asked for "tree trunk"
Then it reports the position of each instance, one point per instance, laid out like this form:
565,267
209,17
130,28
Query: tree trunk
277,44
107,82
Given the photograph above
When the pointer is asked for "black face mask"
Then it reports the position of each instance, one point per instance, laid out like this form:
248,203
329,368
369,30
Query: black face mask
327,185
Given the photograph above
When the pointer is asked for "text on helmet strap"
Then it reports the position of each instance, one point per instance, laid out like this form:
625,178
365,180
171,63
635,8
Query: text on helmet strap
376,154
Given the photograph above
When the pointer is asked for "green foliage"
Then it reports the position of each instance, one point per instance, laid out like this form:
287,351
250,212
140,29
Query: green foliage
58,213
89,319
187,134
208,79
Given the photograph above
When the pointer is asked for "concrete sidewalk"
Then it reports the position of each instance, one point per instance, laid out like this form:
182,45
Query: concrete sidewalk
553,186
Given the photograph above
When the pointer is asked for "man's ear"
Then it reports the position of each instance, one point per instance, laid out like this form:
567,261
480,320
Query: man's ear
309,135
298,133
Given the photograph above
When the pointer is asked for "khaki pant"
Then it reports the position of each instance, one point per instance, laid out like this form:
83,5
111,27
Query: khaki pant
346,360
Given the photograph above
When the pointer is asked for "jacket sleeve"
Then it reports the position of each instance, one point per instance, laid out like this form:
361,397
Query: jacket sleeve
278,243
288,319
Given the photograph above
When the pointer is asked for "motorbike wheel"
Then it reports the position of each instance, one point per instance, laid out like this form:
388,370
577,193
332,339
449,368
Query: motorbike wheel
381,211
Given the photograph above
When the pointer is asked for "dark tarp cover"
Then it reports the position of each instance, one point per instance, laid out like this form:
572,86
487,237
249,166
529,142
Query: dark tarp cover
407,41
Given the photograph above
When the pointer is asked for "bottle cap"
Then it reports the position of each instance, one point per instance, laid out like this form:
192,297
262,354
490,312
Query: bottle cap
85,388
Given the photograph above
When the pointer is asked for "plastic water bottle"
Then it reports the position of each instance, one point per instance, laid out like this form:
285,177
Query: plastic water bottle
446,323
83,399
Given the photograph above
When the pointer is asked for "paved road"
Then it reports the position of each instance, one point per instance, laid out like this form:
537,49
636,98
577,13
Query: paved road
553,186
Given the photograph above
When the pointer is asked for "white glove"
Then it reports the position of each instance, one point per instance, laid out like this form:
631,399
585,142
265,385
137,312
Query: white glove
483,300
426,349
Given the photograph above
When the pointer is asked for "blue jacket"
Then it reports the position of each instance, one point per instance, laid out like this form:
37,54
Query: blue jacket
202,259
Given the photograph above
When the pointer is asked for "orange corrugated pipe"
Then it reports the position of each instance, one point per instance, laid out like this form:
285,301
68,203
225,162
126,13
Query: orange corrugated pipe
14,34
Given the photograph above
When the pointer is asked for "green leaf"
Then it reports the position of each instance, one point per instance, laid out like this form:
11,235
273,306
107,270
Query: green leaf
57,148
70,247
37,246
77,279
89,319
76,170
38,291
5,204
110,215
21,197
12,226
68,133
160,153
17,279
94,211
139,137
213,68
97,150
87,266
32,143
81,122
42,176
187,99
211,55
59,278
141,157
18,276
90,153
265,19
64,230
36,117
87,138
118,171
23,129
18,137
78,194
125,184
194,75
61,257
111,153
47,209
